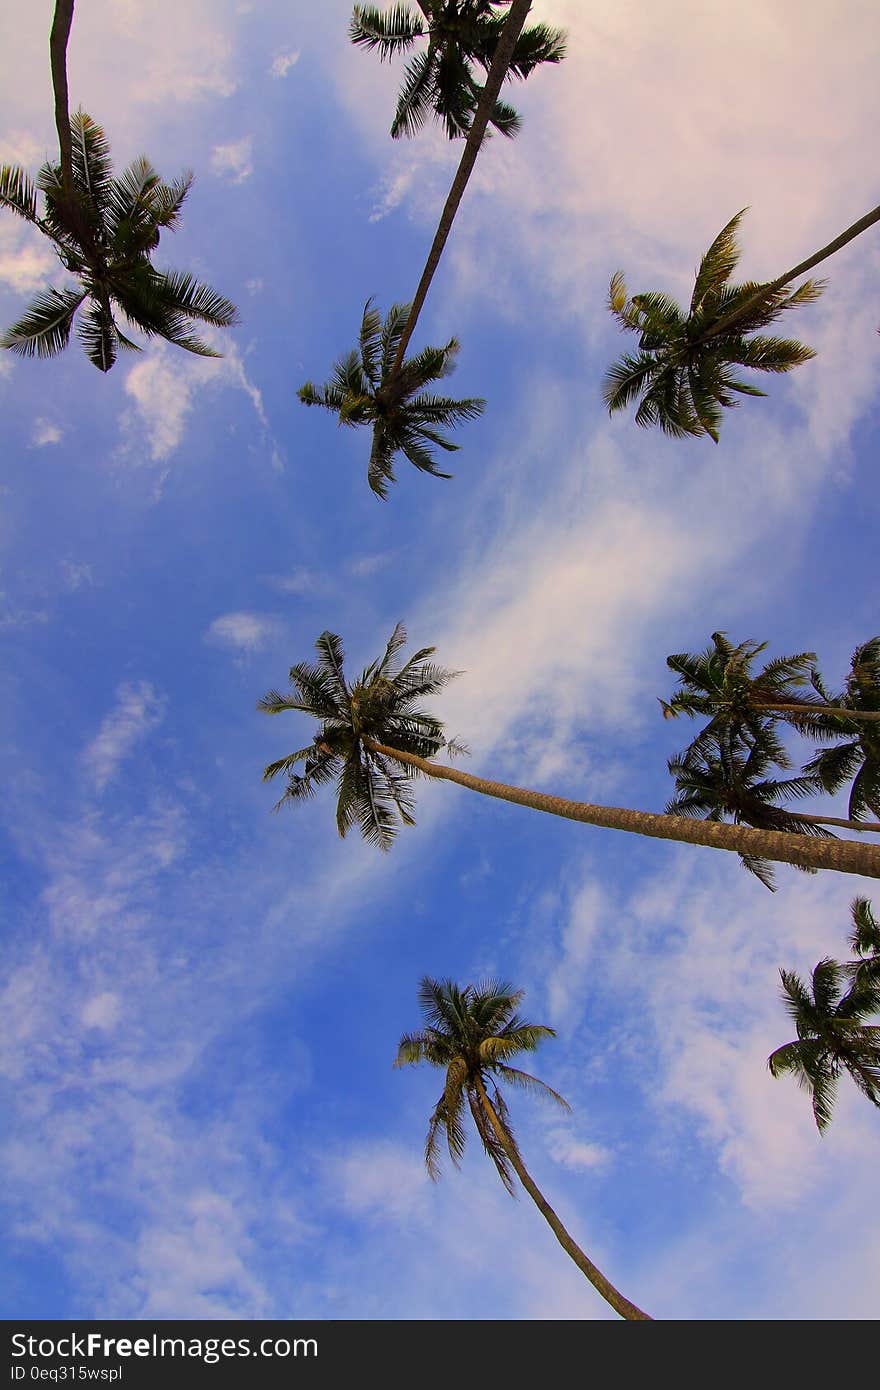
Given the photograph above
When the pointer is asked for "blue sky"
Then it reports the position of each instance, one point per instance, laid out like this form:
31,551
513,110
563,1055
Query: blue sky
202,1000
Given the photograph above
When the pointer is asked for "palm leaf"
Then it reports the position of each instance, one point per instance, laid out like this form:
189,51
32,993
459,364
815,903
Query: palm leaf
44,328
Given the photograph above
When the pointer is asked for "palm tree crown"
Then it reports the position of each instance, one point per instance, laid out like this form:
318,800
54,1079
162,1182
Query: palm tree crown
381,705
831,1035
854,758
719,682
106,242
683,374
461,34
472,1033
719,777
365,389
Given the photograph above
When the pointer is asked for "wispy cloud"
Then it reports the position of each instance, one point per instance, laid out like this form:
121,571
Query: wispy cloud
284,62
243,632
138,710
164,387
45,432
235,160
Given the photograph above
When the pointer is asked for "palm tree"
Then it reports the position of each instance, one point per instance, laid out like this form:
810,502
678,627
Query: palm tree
831,1036
719,682
365,391
718,777
461,34
485,106
473,1033
683,374
107,242
370,730
857,758
864,940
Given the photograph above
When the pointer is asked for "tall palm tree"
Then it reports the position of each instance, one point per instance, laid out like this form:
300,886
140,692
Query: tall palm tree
684,372
461,35
513,26
107,244
365,391
831,1036
855,758
370,730
472,1033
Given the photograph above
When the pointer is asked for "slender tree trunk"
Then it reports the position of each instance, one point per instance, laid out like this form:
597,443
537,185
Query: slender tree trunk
497,72
849,235
58,37
845,856
611,1295
872,825
838,711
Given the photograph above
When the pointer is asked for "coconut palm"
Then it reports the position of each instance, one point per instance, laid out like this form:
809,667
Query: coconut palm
720,683
719,778
373,742
472,1033
461,36
831,1036
685,370
501,59
107,242
855,758
366,390
864,940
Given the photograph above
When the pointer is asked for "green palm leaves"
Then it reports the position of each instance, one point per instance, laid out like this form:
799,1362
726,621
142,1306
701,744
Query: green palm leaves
686,370
367,389
105,237
724,771
832,1035
856,758
719,778
472,1033
381,705
462,35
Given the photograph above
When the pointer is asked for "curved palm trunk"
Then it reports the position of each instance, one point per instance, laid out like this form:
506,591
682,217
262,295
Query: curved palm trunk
871,825
497,72
849,235
611,1295
58,38
845,856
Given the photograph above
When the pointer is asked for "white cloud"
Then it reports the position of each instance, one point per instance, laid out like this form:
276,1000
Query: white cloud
284,62
138,710
577,1154
301,581
163,386
380,1179
102,1011
244,632
26,263
44,433
235,160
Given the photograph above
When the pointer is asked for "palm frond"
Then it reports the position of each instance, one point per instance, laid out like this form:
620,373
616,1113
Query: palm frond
17,192
44,328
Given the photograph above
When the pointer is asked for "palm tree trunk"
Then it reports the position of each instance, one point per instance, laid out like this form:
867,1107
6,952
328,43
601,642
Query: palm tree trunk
58,37
872,825
849,235
838,711
497,72
611,1295
844,856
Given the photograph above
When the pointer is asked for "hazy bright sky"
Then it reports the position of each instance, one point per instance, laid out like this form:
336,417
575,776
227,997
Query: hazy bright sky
201,1000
